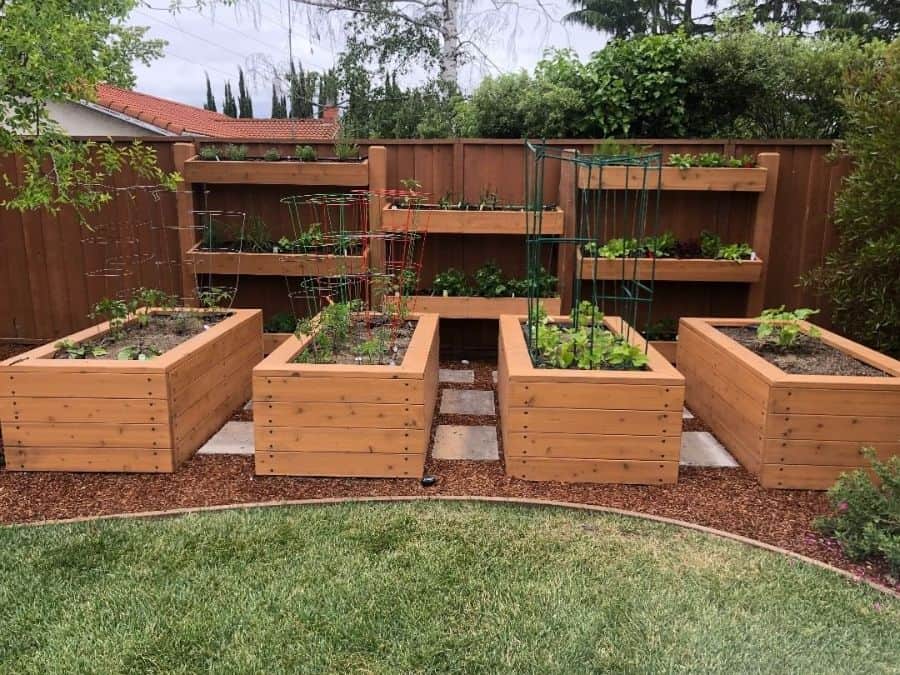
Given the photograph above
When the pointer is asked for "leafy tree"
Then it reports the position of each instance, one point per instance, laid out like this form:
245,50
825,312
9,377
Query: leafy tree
244,102
498,105
210,99
861,278
229,106
60,50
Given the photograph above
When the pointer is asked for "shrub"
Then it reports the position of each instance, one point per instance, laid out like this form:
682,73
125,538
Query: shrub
866,517
498,105
861,277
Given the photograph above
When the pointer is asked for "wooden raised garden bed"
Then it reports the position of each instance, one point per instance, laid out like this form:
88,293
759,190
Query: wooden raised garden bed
791,431
721,179
667,348
273,264
595,426
286,172
476,307
315,419
272,341
454,221
671,269
134,416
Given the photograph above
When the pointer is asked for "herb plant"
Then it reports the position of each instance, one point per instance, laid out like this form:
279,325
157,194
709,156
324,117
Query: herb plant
305,153
215,297
736,252
113,311
489,282
236,153
209,153
256,237
782,328
345,150
451,283
272,155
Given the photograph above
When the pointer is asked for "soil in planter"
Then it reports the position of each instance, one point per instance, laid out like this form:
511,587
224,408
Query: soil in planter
163,332
396,339
809,357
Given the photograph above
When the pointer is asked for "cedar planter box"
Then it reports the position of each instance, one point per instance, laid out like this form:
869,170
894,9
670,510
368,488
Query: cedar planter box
593,426
273,264
722,179
671,269
667,348
313,419
126,416
288,172
475,307
454,221
791,431
272,341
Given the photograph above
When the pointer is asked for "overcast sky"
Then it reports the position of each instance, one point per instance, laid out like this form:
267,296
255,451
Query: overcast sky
254,35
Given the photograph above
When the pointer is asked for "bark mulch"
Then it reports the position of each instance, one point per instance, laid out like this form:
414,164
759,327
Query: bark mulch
725,499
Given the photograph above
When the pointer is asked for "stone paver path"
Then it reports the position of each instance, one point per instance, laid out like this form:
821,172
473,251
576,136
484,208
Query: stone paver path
459,442
457,376
235,438
467,402
700,448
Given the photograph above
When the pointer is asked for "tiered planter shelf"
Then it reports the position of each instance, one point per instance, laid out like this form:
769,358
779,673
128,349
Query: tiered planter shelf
671,269
476,308
273,264
452,221
673,178
600,426
346,420
288,172
791,431
126,416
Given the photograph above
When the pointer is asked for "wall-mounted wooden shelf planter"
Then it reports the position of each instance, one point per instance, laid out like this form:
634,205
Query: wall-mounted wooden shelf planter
791,431
346,420
695,179
595,426
451,221
324,173
671,269
126,416
476,308
273,264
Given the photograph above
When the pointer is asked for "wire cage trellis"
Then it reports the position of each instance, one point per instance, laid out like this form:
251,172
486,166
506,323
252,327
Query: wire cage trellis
602,214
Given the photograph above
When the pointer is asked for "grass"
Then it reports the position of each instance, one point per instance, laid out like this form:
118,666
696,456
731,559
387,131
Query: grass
423,587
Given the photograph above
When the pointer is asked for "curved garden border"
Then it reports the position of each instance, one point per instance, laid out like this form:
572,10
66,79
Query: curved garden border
462,498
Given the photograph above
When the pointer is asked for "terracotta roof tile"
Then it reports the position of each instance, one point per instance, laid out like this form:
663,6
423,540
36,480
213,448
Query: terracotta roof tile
189,120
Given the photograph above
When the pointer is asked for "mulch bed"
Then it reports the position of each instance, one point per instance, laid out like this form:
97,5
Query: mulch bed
725,499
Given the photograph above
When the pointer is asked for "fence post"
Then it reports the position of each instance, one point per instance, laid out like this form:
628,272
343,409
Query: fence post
566,272
763,217
184,205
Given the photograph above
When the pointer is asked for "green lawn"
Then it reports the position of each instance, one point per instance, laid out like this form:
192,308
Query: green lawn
423,587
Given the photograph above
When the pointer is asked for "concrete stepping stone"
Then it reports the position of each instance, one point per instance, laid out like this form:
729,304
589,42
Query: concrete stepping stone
467,402
700,448
235,438
457,376
686,414
458,442
494,376
248,405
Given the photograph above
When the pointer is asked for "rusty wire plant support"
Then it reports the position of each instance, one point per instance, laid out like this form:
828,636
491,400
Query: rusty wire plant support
602,214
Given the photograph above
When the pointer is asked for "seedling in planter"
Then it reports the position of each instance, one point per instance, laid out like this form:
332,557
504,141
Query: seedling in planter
488,201
73,350
256,237
681,161
236,153
272,155
209,153
489,282
451,283
113,311
782,328
185,323
305,153
215,297
143,299
736,252
660,246
138,352
710,244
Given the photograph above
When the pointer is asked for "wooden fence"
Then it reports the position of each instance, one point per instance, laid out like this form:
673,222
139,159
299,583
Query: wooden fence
54,267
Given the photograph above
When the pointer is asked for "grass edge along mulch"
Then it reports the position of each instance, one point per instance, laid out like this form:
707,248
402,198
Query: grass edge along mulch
424,586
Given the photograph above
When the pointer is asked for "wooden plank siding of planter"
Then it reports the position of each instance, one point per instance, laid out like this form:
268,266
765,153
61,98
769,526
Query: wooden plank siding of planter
272,341
346,420
595,426
454,221
667,348
700,179
476,308
671,269
289,172
126,416
273,264
791,431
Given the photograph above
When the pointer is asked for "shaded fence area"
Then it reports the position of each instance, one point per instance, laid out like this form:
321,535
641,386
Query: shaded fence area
54,267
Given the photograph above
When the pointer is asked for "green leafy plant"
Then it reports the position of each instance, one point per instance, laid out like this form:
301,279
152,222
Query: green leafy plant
614,248
256,237
682,161
215,297
235,153
736,252
186,323
782,328
345,149
138,352
330,331
74,350
865,517
111,310
282,322
272,155
144,299
710,244
664,329
451,283
305,153
660,246
209,153
489,281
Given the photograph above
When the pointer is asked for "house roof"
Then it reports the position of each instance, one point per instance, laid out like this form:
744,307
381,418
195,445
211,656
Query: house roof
188,120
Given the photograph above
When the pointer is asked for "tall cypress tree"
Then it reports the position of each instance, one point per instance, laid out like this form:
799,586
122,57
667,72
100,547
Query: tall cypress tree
277,113
210,99
229,107
245,104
